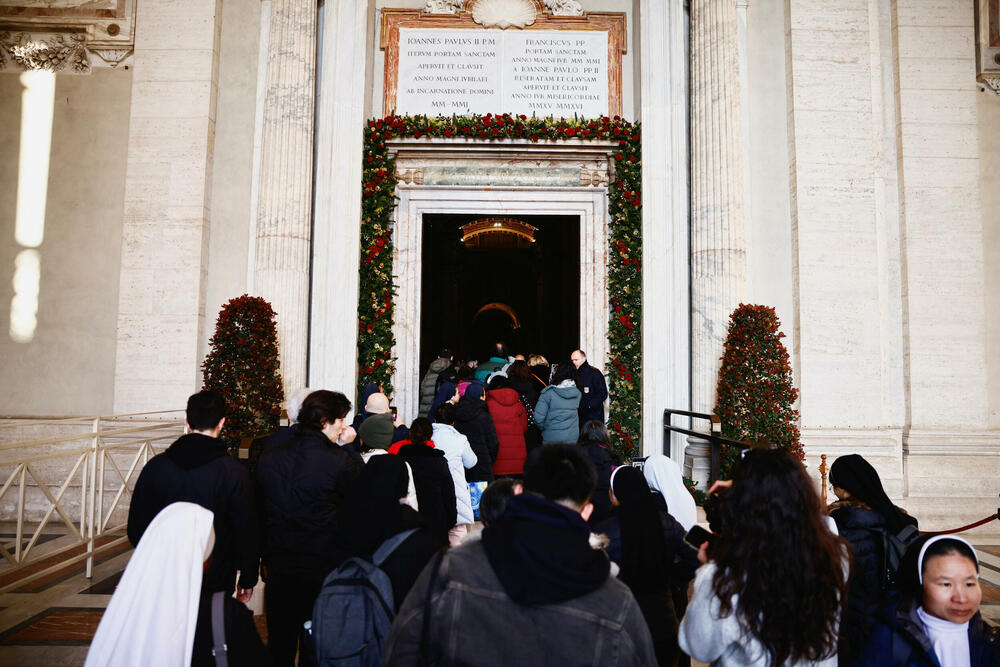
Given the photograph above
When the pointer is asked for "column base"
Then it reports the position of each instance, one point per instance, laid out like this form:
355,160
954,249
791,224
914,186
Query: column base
698,461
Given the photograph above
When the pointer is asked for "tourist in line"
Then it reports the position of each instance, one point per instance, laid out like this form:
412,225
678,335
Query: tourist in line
301,488
935,621
531,591
495,498
458,452
557,411
665,478
774,582
595,442
523,382
540,369
511,422
159,613
374,513
592,385
436,374
866,518
649,546
499,358
197,468
431,477
473,420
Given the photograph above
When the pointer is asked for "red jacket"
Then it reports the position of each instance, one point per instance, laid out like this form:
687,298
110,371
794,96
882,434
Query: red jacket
511,422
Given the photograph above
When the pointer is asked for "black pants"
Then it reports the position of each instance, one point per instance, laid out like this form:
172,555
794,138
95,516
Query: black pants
288,603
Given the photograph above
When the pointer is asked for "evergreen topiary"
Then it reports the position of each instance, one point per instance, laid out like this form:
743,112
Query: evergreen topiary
755,395
243,366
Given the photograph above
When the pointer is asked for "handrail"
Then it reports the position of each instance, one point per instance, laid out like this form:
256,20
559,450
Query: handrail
87,418
89,465
716,441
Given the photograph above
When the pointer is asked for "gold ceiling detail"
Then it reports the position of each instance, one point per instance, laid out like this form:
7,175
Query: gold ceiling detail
498,225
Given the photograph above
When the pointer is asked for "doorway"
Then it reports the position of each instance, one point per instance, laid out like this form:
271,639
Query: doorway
489,278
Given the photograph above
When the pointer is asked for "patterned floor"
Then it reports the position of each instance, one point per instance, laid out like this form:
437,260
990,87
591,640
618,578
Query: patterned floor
51,621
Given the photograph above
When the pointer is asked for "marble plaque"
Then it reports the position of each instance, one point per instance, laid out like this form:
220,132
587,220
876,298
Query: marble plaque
557,73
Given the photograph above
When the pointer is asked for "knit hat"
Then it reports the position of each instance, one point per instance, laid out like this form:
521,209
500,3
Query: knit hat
377,404
475,390
376,431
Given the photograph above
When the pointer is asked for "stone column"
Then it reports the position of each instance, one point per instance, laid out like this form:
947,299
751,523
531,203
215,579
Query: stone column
718,226
284,208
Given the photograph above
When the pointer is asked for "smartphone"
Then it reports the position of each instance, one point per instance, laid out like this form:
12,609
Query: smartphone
392,409
698,536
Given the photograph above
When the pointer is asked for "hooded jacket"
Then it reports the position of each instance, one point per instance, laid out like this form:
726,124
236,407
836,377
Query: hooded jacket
473,420
535,569
556,414
197,469
511,421
428,386
458,452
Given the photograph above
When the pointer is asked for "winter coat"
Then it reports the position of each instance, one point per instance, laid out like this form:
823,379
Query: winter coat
605,461
535,570
300,486
528,389
556,414
444,393
429,385
684,561
595,391
899,640
435,487
487,368
458,452
198,469
511,421
473,420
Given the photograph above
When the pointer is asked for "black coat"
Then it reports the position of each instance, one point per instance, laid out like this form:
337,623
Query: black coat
435,486
242,640
197,469
594,390
604,460
473,420
300,486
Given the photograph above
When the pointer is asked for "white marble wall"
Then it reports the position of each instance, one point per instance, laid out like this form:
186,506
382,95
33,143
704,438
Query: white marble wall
167,202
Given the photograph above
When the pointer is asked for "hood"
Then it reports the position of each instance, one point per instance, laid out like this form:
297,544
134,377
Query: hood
567,393
194,450
469,407
504,396
541,553
440,364
413,451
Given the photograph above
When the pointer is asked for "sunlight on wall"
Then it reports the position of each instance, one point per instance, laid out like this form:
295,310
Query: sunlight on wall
37,102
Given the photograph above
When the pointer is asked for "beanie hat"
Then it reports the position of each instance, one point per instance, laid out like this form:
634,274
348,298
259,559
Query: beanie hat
475,390
376,431
377,404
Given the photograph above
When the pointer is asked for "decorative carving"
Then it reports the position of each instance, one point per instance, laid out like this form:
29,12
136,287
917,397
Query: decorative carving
112,57
992,82
443,6
411,176
504,13
52,54
594,178
564,7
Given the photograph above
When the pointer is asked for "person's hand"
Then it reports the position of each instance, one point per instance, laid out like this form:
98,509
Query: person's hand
399,421
719,485
703,553
347,435
244,594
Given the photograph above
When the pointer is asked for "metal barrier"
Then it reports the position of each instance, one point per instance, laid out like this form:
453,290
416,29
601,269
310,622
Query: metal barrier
716,440
91,462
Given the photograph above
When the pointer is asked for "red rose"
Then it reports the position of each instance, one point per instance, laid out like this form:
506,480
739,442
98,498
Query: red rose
619,156
628,376
570,132
447,132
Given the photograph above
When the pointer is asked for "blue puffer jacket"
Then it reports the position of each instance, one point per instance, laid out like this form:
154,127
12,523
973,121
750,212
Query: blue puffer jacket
899,640
556,414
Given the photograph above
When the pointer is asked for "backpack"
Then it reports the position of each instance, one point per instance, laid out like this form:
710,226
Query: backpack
354,609
893,548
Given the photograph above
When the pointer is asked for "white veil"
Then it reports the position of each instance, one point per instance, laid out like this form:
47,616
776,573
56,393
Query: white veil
664,475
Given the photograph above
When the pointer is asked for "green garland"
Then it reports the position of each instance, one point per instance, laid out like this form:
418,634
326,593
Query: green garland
375,305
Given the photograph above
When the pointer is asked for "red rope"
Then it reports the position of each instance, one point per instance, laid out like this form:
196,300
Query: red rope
963,528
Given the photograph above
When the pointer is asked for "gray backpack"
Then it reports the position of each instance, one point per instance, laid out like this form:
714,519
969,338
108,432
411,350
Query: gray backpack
354,609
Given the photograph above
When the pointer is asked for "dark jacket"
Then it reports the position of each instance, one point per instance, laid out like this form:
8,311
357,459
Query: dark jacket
595,391
444,393
556,414
198,469
528,389
604,460
473,420
434,484
429,384
300,486
898,640
242,640
511,421
535,570
260,445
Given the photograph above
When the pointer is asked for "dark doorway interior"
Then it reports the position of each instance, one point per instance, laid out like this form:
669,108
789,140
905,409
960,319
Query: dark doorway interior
539,282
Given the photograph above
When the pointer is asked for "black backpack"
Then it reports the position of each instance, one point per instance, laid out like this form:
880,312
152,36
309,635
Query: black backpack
354,610
893,548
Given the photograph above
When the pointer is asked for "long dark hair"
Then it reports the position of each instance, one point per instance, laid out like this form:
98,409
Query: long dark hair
566,371
645,561
421,430
856,476
775,551
593,431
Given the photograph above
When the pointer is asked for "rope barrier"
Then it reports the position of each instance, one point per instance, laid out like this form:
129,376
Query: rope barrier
963,528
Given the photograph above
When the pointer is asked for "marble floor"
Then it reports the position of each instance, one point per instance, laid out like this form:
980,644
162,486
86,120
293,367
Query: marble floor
52,620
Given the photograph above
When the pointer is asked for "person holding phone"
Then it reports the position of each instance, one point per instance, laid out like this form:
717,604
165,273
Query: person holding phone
773,584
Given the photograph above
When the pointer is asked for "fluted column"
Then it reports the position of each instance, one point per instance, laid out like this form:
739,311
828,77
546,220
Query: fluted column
284,209
718,226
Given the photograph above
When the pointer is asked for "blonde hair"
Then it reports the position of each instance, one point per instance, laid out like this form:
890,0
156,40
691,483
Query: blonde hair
537,360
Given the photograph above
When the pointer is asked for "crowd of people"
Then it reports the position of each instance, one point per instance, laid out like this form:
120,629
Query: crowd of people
571,555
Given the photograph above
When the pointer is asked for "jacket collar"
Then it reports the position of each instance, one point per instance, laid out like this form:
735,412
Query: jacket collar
194,450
